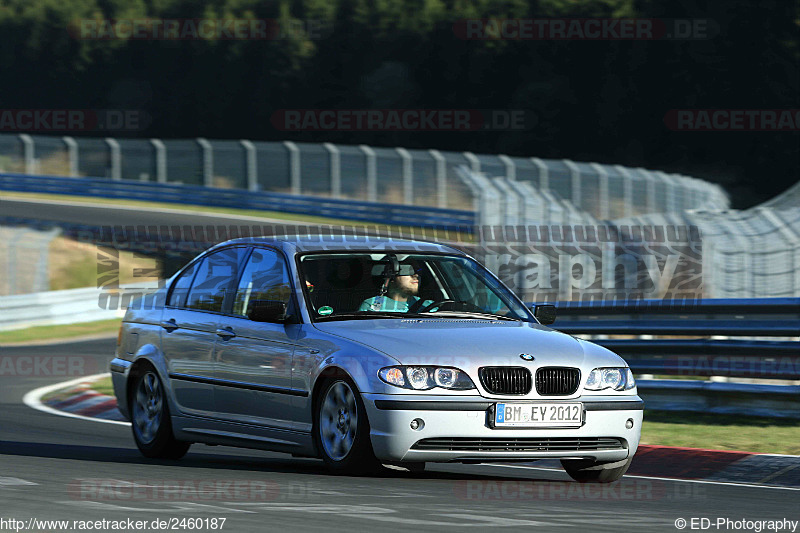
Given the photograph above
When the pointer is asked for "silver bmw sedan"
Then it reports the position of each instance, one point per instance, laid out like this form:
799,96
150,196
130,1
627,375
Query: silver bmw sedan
365,351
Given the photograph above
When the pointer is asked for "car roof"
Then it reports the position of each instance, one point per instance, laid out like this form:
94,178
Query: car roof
292,244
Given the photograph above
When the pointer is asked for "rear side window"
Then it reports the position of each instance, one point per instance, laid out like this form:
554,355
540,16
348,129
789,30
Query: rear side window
215,278
180,288
265,278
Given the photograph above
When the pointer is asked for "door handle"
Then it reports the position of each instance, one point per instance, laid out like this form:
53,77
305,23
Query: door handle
226,333
169,325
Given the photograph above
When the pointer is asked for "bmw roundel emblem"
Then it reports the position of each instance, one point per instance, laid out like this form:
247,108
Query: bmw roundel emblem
526,356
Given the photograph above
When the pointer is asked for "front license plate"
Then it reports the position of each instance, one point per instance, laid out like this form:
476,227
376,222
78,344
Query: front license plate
538,415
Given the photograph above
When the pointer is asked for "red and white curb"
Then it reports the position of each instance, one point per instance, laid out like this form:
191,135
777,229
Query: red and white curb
77,401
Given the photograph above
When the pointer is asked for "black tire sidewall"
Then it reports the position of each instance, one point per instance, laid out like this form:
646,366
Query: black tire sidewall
164,444
360,458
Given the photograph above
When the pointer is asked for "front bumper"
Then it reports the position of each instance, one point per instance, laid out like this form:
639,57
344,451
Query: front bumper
120,368
450,420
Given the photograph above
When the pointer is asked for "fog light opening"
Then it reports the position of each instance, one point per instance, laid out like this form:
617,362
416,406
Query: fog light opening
417,424
629,423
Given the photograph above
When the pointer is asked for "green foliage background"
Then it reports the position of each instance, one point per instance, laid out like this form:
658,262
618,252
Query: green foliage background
600,101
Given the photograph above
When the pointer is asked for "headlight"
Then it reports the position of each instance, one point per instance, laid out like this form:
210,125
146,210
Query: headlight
425,377
446,377
610,378
418,377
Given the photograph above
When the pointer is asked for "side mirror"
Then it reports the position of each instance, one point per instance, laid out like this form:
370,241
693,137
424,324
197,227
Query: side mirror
267,311
545,313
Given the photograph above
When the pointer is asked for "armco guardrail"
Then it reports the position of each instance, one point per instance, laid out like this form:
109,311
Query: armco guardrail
379,213
756,317
703,357
726,358
52,308
766,317
721,398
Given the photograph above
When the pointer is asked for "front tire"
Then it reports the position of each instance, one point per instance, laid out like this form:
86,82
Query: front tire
150,419
341,429
587,471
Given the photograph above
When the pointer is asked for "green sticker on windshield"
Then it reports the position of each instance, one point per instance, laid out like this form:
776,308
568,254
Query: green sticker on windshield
325,310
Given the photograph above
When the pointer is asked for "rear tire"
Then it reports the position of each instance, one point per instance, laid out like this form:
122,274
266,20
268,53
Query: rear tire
150,419
341,429
587,471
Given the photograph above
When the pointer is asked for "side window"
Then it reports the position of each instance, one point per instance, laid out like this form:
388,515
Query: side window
214,278
264,278
177,298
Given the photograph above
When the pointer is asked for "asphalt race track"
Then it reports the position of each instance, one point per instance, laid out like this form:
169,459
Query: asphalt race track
58,468
115,215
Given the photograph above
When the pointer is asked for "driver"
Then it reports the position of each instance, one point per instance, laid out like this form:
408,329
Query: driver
401,293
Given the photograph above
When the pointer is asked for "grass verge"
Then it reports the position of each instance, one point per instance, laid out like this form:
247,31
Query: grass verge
103,386
721,432
66,331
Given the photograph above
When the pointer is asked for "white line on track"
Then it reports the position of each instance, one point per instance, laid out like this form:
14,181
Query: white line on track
33,399
703,481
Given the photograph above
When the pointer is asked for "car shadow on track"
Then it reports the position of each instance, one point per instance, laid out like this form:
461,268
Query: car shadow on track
303,466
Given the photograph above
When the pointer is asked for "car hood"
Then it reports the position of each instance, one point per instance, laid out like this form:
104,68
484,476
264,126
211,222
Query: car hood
467,342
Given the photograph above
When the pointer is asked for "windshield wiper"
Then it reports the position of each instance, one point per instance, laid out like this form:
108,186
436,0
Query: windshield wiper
471,314
372,314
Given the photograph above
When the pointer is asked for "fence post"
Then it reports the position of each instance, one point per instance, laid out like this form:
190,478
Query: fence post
669,186
294,166
474,162
42,279
408,176
161,160
441,178
627,190
372,173
72,155
792,238
651,189
544,174
115,157
336,169
511,169
575,174
694,192
208,162
27,152
251,167
604,203
13,254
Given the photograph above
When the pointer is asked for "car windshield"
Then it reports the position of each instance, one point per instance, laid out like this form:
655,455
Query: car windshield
388,285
